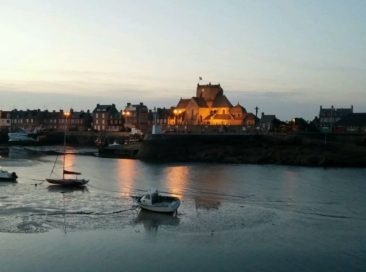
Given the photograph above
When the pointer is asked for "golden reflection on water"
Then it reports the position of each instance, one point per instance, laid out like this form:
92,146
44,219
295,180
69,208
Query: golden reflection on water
69,162
290,185
126,171
176,179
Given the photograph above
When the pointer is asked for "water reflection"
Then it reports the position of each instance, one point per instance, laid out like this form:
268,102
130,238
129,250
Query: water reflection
126,171
176,178
61,189
69,162
290,185
4,152
19,152
152,221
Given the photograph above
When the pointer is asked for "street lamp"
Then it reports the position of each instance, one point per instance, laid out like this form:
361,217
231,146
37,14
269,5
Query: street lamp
176,112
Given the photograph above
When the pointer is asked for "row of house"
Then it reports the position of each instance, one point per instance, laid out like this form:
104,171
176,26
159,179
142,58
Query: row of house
102,118
209,107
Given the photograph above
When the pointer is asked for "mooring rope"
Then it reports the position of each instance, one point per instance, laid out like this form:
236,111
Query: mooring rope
54,165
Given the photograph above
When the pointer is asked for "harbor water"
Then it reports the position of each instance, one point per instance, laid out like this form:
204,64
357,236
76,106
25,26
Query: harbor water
233,217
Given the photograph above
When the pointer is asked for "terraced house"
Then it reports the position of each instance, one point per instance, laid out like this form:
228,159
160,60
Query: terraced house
107,118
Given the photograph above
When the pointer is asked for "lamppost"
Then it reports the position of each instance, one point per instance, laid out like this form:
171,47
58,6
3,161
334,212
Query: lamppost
66,115
126,114
176,115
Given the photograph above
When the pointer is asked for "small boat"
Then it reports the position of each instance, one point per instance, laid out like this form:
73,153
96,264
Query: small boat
114,144
7,176
68,182
22,136
155,202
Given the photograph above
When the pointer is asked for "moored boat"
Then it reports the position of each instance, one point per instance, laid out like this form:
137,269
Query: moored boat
69,182
8,176
155,202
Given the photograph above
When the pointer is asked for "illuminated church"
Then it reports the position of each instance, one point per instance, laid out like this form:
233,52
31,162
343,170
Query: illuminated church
209,107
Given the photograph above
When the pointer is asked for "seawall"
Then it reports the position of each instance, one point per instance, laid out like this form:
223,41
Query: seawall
300,149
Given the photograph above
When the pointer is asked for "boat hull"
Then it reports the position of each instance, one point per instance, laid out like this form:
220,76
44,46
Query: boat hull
8,177
68,182
162,207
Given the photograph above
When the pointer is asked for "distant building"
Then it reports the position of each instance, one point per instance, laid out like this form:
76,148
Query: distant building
28,119
52,120
352,123
79,120
250,120
136,116
107,118
209,107
5,120
267,121
329,116
159,116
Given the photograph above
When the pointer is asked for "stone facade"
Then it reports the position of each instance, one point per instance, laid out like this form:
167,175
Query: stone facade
329,116
136,116
107,118
209,107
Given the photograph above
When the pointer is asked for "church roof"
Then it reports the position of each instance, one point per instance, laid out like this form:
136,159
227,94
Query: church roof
221,102
200,102
182,104
238,106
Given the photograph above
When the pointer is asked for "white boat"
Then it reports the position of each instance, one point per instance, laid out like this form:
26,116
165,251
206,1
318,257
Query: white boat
22,136
155,202
114,144
69,182
7,176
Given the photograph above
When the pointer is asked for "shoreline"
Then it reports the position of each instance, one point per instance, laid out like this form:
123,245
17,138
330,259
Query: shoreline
309,150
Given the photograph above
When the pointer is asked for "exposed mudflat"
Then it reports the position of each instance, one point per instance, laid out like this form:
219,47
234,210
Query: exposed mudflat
232,217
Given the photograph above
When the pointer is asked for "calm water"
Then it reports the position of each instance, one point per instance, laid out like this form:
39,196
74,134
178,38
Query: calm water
232,218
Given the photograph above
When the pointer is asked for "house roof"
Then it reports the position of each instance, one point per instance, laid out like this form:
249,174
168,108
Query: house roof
221,102
238,106
182,104
333,112
200,102
105,108
354,119
267,118
251,116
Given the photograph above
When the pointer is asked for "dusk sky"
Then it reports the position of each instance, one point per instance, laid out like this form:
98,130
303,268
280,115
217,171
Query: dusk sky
286,57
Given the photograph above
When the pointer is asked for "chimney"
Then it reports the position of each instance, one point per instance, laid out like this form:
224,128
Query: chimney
128,104
262,114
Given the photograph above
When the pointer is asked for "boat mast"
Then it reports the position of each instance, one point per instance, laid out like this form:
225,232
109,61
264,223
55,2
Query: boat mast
66,114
